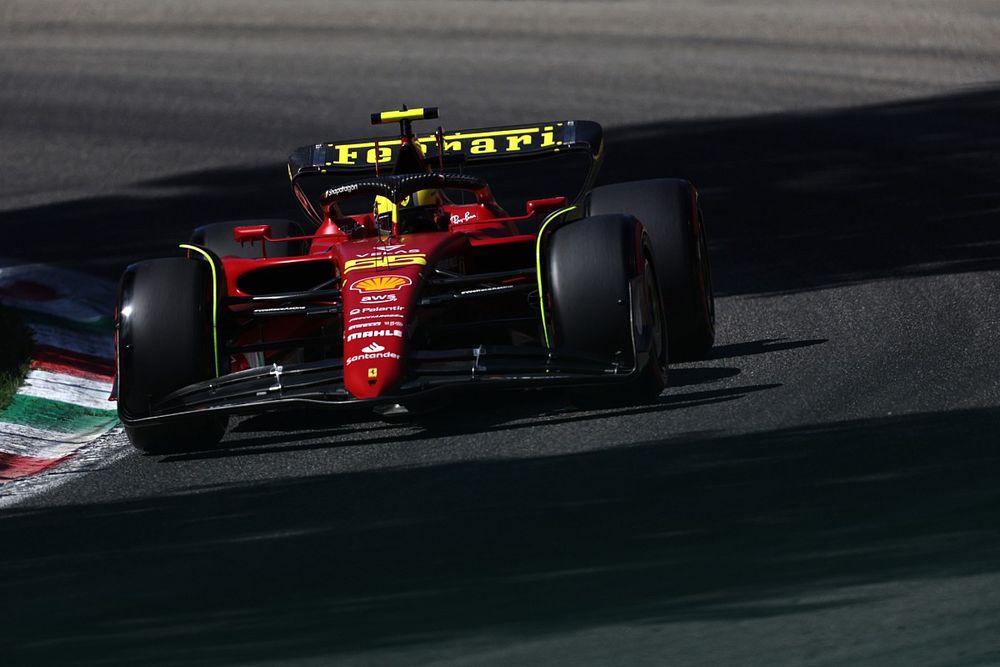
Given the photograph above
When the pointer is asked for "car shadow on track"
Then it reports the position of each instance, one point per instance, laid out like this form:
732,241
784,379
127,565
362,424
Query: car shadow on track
762,346
464,417
303,430
678,530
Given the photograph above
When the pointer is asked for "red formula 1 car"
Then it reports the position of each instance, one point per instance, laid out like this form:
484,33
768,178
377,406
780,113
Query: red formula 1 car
413,277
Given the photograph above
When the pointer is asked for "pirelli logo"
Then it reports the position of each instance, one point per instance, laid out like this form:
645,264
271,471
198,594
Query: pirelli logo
490,142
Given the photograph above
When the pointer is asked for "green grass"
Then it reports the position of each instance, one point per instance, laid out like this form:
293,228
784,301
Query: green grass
15,354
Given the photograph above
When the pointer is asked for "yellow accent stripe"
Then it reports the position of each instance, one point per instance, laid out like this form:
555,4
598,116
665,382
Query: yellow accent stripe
215,301
538,267
409,114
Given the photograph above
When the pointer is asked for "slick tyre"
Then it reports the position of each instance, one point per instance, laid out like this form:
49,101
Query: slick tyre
164,344
603,295
218,237
669,211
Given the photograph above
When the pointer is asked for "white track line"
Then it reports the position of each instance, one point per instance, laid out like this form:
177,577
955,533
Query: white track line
41,443
94,456
68,389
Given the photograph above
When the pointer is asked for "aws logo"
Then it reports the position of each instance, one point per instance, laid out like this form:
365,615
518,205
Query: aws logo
378,298
384,262
473,143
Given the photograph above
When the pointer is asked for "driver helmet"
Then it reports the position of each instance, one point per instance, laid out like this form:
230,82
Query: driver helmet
419,212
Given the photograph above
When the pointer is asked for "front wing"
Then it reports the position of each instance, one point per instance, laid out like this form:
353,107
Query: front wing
320,383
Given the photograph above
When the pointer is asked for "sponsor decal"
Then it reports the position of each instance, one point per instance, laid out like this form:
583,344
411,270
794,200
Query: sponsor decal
378,318
369,357
376,333
501,288
372,348
490,142
372,373
372,309
343,189
459,219
378,298
378,323
377,309
385,262
390,283
388,250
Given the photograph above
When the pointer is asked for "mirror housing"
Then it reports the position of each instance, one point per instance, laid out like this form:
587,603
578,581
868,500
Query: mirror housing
251,233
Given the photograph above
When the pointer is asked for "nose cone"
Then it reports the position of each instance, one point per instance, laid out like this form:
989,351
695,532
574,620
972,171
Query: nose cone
380,289
376,368
376,310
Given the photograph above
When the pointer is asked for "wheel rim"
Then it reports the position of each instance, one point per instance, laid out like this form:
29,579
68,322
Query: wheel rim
705,274
657,322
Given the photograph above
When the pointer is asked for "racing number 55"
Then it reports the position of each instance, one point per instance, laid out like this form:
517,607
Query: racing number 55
383,262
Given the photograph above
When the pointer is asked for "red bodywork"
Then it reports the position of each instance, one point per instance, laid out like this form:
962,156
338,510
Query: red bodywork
381,280
446,292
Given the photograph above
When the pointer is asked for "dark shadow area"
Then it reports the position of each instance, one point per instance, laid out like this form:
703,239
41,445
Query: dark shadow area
685,377
685,529
763,346
807,201
793,201
102,235
505,412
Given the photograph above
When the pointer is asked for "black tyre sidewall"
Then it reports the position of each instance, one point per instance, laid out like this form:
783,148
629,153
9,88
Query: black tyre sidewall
667,209
590,265
164,344
590,262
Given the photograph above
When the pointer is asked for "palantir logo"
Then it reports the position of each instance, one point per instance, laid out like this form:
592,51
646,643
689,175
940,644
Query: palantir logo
373,348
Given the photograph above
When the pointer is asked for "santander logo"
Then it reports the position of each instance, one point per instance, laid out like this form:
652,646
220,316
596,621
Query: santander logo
373,348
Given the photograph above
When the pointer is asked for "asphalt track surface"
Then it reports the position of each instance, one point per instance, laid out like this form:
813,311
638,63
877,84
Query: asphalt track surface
822,491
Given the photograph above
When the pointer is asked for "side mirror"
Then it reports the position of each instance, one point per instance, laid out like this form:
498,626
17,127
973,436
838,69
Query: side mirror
545,206
252,233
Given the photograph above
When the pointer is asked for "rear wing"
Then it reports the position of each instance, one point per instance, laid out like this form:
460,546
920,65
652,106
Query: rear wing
355,159
486,144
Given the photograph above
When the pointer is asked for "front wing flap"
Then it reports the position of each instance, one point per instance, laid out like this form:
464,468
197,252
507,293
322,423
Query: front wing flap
320,383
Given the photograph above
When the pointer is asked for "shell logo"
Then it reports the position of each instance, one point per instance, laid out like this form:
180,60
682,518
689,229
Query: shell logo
380,284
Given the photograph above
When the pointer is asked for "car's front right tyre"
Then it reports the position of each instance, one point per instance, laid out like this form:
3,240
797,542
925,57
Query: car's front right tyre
164,344
605,304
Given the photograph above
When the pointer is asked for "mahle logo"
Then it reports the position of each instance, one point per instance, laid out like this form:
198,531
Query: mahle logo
378,333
